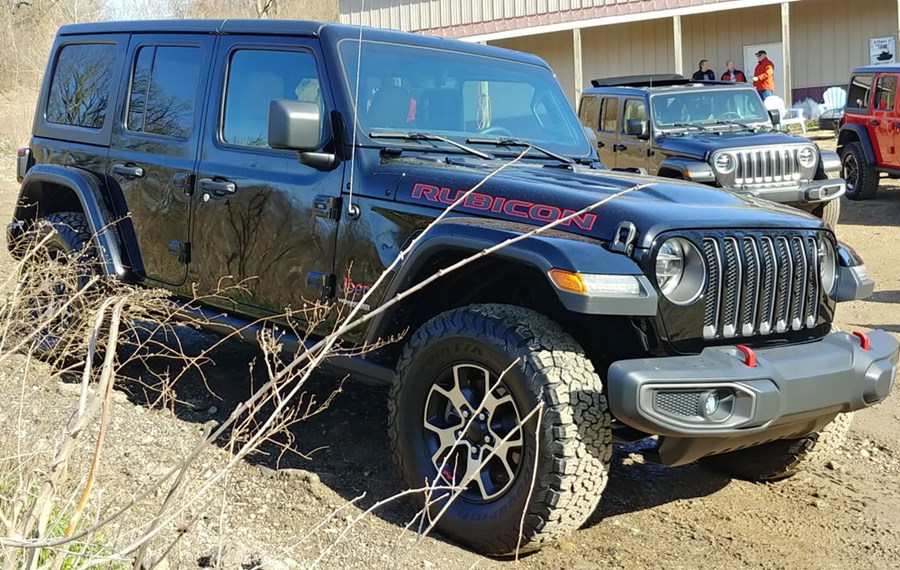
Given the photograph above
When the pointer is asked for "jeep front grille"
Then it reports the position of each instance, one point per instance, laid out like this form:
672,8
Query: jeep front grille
760,284
769,165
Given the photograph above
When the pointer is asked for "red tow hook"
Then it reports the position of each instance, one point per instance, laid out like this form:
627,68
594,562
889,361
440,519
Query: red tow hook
863,339
749,355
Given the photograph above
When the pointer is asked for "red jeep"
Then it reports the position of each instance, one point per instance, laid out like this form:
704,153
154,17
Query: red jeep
869,139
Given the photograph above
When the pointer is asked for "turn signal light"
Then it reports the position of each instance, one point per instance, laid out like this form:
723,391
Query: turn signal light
568,280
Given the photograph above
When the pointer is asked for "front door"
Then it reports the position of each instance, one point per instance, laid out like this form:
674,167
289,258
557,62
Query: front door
154,147
606,130
631,150
260,246
883,121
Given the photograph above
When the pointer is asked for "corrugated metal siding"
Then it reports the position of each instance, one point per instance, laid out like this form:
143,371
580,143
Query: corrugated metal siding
625,49
556,49
831,37
720,36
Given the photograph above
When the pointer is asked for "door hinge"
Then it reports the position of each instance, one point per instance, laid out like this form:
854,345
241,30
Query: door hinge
184,181
327,206
324,282
182,250
651,152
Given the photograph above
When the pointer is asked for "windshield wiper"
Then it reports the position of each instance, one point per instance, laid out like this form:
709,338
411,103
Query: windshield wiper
416,136
690,126
504,141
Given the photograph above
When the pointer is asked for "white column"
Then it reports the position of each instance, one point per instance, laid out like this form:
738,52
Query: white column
786,51
679,56
579,69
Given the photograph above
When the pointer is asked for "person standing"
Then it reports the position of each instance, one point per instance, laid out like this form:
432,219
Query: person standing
704,73
764,75
732,74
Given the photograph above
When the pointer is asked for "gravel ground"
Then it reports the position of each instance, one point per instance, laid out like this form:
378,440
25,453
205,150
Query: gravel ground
268,511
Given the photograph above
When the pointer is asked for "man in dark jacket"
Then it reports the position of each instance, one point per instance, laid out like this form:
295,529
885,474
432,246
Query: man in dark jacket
704,73
732,74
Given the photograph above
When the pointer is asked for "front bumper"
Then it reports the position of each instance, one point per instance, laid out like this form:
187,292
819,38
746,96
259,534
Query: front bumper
791,390
806,193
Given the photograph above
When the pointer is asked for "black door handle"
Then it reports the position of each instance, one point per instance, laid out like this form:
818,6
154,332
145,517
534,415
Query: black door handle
601,144
128,170
874,122
217,187
619,148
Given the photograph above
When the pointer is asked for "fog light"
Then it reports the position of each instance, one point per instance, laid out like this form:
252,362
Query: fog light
711,404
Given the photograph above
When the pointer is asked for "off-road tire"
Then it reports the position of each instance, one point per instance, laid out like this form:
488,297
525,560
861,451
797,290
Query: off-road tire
575,439
829,212
66,237
784,458
861,177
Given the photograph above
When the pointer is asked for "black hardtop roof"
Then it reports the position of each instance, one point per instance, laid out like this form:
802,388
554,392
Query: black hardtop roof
280,27
876,68
662,86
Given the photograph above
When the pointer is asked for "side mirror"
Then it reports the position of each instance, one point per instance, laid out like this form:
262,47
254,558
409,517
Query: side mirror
637,127
294,125
774,116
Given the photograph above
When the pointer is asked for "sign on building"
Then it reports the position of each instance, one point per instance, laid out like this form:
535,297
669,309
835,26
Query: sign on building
882,51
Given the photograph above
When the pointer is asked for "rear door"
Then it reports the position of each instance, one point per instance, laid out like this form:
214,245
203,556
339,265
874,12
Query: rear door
264,230
883,121
155,143
606,128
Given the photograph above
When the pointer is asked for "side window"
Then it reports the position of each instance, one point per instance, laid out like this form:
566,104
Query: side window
885,92
588,111
609,113
79,90
634,109
163,91
255,78
860,91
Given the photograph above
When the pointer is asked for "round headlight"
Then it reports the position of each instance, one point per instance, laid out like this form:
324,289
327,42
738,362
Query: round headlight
827,265
724,163
680,271
807,157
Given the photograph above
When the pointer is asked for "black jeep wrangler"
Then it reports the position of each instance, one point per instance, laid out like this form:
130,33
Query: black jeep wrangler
185,151
714,132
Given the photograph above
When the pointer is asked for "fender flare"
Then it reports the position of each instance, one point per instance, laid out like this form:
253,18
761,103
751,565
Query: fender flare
698,170
88,189
862,134
542,252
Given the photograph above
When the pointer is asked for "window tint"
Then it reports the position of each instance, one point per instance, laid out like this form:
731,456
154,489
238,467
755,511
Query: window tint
885,92
590,106
634,109
163,90
79,91
860,90
609,110
255,78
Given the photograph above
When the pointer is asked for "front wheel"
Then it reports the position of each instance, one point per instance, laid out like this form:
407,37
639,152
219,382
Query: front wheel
829,212
784,458
502,404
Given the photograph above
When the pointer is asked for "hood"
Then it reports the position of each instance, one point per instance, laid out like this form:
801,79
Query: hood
540,194
696,144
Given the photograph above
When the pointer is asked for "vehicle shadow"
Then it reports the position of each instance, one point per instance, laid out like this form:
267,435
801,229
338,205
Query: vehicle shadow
886,328
346,444
882,210
885,297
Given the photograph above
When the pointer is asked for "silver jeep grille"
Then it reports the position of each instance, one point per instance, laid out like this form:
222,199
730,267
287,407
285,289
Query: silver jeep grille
768,165
760,284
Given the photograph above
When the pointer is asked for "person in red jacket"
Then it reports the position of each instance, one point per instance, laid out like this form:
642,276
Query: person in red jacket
732,74
764,75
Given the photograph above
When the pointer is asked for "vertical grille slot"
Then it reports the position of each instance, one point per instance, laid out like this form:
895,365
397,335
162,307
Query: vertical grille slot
760,284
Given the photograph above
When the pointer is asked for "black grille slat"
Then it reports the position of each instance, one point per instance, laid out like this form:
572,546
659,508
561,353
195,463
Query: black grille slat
760,284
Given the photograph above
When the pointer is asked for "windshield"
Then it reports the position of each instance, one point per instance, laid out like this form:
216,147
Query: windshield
460,96
707,107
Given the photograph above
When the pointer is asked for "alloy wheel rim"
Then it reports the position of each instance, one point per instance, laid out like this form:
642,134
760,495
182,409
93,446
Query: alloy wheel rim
472,429
851,171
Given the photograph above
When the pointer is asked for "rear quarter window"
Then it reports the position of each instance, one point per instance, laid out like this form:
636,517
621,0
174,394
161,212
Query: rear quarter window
860,92
590,108
79,89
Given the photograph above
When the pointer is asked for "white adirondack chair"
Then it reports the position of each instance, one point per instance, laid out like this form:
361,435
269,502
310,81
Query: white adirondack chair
789,116
834,98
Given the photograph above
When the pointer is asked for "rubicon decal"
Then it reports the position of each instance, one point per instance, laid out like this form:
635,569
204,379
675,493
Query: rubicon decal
512,207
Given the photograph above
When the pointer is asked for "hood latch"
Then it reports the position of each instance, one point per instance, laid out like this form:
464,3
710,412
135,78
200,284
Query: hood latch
623,238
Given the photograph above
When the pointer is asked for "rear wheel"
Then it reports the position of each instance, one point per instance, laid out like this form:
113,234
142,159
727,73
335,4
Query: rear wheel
785,457
860,176
461,415
61,261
